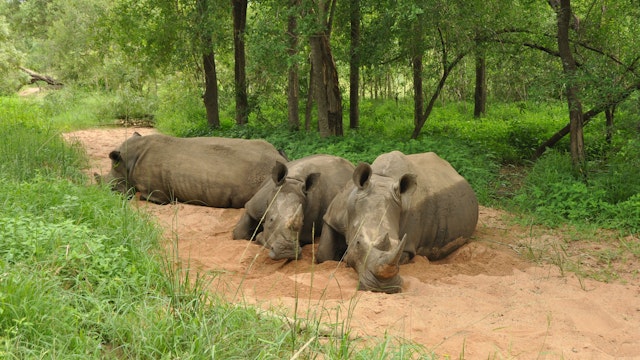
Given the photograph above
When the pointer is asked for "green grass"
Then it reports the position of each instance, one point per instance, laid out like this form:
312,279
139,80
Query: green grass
84,276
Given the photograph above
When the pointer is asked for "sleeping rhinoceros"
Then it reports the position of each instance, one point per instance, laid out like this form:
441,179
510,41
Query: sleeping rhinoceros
400,206
287,211
209,171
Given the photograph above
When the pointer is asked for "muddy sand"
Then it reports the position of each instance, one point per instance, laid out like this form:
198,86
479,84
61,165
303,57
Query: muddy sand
484,301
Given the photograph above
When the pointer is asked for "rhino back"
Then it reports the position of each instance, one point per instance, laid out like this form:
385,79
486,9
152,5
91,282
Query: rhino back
215,172
443,208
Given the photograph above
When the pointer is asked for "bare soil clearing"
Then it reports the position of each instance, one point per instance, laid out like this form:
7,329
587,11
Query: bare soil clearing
483,301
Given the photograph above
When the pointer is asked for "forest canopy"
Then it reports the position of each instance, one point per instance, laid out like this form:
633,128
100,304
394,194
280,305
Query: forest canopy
314,61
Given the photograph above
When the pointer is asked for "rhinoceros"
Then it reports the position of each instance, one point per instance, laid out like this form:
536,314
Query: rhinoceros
396,208
287,211
209,171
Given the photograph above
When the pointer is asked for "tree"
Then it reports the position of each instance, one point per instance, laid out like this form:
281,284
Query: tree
480,91
564,15
354,64
325,73
210,96
607,71
293,82
239,27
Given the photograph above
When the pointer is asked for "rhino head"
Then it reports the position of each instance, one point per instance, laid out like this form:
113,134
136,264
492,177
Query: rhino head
375,246
284,218
118,176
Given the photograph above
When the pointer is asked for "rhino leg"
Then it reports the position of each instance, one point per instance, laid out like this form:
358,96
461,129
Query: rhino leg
441,253
332,245
405,258
245,228
154,199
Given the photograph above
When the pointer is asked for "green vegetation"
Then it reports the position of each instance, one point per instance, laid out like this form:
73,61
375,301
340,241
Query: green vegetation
83,275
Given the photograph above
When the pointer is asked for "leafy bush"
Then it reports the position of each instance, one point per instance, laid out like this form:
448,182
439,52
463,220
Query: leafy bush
555,196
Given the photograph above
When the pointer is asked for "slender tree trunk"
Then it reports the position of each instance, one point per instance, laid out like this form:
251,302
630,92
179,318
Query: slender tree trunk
418,100
239,27
210,96
480,95
354,66
309,105
293,79
609,114
417,51
572,91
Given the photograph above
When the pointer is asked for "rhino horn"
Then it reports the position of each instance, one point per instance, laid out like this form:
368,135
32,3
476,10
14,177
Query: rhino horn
388,263
295,222
384,243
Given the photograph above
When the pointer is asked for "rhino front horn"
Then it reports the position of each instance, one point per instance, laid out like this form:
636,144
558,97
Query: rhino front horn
389,262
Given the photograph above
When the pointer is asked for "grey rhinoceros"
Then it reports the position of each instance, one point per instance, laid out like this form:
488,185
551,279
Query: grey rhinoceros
287,211
209,171
400,206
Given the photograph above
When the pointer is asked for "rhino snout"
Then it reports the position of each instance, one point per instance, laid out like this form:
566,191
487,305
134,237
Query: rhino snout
289,254
367,281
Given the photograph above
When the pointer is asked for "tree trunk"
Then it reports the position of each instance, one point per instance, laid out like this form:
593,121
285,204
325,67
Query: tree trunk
210,96
609,114
293,79
35,77
417,52
239,27
325,77
480,95
354,66
418,100
309,105
572,91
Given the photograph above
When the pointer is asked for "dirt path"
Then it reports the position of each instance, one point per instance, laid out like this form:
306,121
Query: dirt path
483,301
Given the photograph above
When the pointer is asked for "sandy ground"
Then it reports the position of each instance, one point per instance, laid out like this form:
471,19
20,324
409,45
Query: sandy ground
483,301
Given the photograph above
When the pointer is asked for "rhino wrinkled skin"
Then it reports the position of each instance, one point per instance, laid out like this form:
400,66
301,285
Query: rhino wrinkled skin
287,211
209,171
399,207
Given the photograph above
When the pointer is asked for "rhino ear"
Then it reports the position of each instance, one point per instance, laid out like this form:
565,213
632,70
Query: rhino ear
406,185
361,175
136,134
115,156
279,173
311,181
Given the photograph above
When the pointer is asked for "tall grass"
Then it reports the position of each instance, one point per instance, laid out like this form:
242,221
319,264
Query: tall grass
84,276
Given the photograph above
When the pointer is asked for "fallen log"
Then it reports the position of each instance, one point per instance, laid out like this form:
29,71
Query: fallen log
35,76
